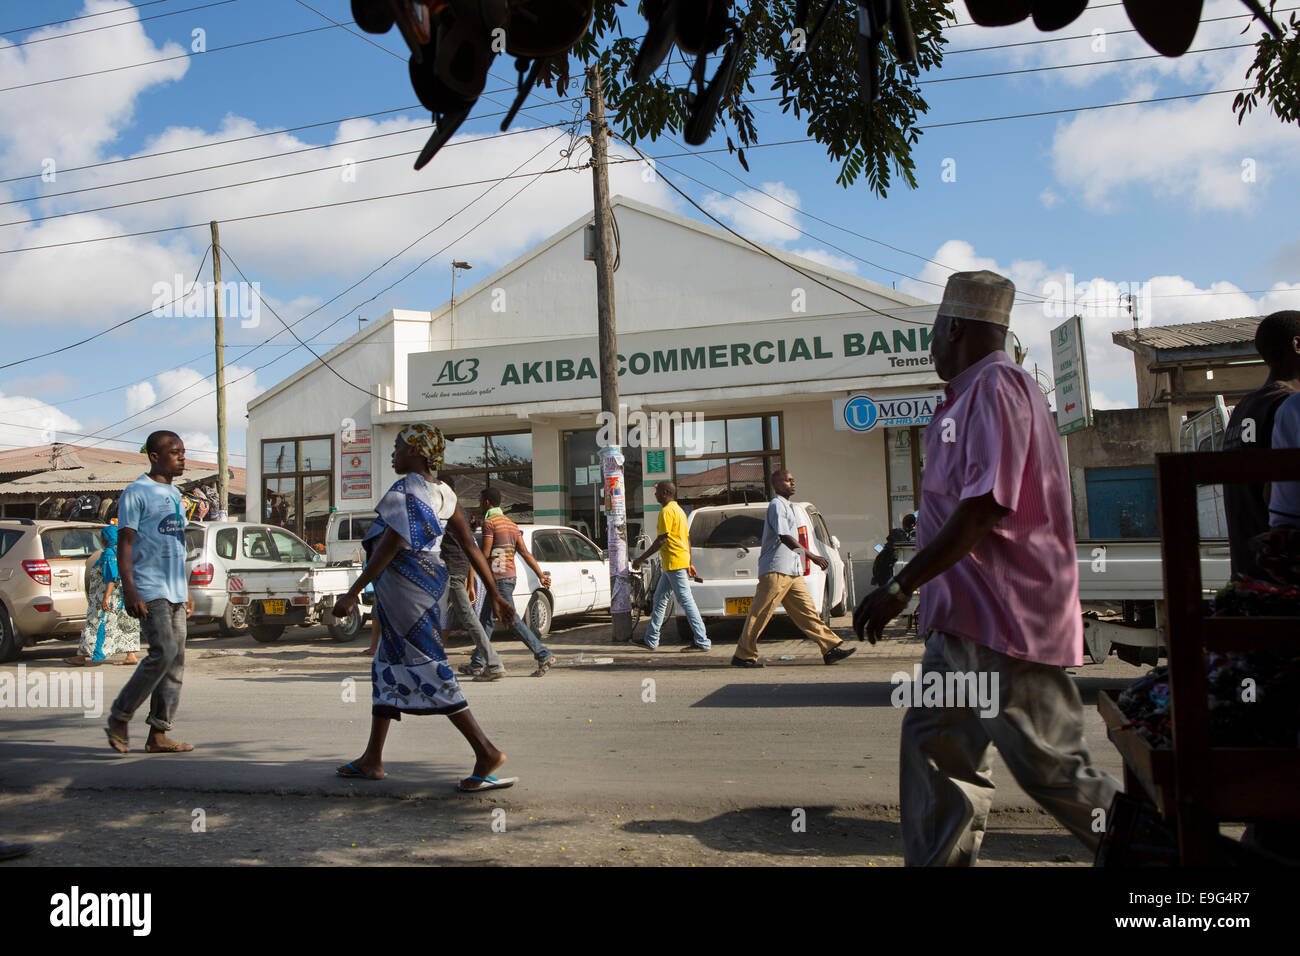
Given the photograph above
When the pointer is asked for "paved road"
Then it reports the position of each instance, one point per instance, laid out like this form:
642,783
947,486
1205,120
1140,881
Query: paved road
699,743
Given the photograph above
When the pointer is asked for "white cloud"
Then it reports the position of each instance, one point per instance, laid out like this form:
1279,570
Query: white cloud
69,122
1047,295
762,215
843,263
28,421
1049,198
184,401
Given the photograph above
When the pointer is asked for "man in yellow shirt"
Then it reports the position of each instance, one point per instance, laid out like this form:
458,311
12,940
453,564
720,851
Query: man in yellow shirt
675,574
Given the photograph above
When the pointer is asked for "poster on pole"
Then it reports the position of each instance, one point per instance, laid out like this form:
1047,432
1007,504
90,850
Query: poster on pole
1070,372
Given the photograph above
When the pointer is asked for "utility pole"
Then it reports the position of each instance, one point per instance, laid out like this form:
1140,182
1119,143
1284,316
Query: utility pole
223,488
611,455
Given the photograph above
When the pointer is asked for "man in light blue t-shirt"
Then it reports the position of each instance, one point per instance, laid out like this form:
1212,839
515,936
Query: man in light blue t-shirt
151,562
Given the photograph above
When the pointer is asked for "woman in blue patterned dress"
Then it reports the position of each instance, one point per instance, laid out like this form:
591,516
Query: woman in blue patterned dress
108,630
410,673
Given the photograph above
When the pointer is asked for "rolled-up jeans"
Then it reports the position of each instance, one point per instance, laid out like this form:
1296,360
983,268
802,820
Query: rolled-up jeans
460,606
506,587
675,584
159,676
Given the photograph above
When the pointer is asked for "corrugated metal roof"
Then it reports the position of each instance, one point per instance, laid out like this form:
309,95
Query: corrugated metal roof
1191,334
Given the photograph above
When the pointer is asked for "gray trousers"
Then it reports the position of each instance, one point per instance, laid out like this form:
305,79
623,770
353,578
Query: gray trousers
460,606
946,783
159,676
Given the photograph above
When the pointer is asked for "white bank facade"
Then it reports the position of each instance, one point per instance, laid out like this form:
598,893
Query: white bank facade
730,365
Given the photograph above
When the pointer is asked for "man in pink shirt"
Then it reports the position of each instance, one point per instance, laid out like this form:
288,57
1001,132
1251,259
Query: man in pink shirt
1000,606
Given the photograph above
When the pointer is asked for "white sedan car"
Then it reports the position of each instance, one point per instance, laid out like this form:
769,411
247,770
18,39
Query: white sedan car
725,544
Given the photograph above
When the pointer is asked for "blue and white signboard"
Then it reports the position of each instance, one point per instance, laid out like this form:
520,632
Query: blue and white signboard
862,413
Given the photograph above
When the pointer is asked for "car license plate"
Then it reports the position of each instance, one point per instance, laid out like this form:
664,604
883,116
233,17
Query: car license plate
739,605
272,607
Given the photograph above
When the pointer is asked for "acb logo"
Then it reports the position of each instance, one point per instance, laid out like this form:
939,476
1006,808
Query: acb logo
458,372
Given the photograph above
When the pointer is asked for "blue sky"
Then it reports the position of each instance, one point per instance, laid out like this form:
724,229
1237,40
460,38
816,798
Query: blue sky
1176,201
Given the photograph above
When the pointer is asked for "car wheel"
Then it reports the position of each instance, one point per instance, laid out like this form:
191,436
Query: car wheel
234,623
344,629
538,615
9,649
266,633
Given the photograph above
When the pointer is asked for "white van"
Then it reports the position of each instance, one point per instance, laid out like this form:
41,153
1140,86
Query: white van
725,544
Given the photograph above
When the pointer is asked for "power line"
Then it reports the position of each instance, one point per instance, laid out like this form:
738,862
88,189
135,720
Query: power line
323,305
114,26
164,59
72,434
333,167
87,16
264,215
1071,66
32,358
1080,109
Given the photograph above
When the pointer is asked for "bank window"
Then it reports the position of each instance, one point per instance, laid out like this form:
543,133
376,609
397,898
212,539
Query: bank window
503,461
726,460
298,485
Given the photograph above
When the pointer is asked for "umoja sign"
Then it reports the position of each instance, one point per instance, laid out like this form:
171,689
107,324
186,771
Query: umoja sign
843,347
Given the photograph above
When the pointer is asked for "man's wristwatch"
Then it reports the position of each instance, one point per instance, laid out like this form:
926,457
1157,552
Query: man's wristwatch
897,590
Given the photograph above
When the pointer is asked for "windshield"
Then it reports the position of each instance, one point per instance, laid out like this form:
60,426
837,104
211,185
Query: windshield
728,528
70,542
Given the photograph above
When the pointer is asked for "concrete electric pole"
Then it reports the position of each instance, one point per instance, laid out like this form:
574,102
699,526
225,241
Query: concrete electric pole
223,486
611,454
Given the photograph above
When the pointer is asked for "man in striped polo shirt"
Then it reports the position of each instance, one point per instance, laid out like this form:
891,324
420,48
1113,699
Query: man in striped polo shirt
1000,605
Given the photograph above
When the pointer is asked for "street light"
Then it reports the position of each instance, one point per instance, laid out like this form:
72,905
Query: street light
455,264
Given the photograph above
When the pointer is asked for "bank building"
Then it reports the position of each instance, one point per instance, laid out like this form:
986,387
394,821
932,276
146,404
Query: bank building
731,364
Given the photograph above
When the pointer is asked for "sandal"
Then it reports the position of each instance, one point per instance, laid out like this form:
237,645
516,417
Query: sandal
544,666
114,740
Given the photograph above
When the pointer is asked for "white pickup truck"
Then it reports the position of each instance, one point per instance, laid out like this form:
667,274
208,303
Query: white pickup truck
1121,589
299,594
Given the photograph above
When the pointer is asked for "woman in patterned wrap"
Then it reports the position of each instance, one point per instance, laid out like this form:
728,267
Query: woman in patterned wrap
108,629
410,673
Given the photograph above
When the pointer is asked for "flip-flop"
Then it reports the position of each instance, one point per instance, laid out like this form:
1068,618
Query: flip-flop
114,739
347,770
487,783
177,748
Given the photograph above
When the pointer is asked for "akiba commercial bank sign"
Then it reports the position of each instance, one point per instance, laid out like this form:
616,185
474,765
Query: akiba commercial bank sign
849,346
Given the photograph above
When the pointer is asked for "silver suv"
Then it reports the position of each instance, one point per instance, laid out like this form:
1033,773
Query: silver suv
43,580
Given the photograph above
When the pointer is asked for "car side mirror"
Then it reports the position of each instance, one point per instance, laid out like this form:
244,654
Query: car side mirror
835,542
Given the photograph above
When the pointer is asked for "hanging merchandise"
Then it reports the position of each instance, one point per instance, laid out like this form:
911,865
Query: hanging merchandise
874,18
1168,26
699,28
453,43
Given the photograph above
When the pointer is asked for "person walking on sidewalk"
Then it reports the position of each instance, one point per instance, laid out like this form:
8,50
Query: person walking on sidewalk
410,673
501,539
485,664
1000,602
675,572
780,582
151,562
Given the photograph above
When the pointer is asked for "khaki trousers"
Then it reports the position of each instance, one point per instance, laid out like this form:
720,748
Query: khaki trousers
946,780
789,592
